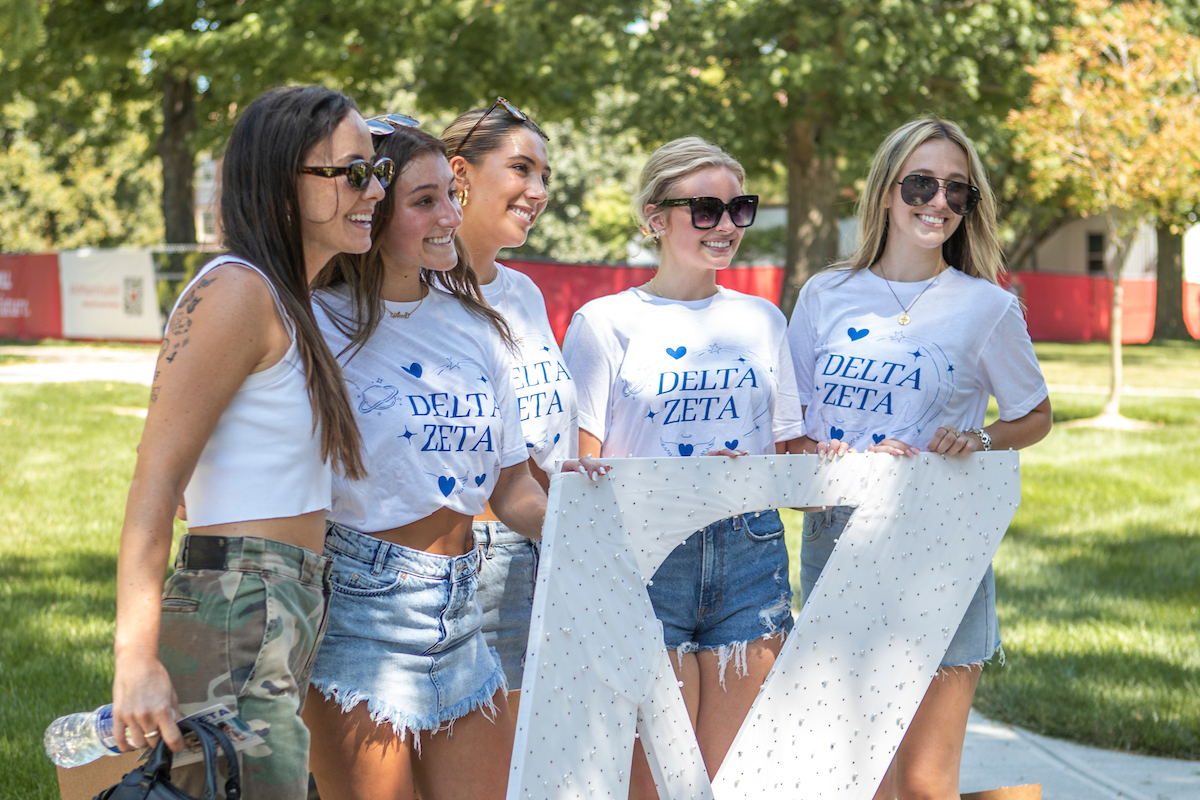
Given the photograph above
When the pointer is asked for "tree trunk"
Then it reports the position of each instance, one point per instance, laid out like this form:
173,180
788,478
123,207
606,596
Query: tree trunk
1113,406
812,234
1168,306
178,161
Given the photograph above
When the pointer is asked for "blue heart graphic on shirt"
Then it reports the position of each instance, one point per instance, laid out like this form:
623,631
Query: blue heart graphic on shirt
479,479
878,437
677,352
856,334
836,433
557,436
685,449
414,370
732,445
446,485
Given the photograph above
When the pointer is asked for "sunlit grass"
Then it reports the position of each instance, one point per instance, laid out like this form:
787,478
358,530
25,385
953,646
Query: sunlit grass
65,464
1098,579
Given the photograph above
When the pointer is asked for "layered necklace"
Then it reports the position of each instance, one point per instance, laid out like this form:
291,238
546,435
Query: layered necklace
904,318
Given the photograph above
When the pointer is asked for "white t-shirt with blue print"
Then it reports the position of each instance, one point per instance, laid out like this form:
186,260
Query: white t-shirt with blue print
864,377
541,380
433,401
660,377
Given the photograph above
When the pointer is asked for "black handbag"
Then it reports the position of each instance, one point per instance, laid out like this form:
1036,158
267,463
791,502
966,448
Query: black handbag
152,780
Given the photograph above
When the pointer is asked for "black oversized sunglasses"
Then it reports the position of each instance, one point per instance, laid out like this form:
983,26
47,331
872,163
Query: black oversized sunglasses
707,211
386,124
358,172
510,108
917,190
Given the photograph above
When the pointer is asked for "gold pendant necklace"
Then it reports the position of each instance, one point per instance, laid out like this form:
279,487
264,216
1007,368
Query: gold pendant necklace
407,314
904,318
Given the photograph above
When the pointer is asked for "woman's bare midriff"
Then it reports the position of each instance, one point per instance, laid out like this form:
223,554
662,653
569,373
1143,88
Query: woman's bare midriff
443,533
305,530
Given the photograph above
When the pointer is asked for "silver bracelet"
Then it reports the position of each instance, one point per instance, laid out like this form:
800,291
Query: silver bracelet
984,437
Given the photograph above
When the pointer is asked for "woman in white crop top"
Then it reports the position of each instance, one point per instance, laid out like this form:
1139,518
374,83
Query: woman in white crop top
498,155
239,427
427,371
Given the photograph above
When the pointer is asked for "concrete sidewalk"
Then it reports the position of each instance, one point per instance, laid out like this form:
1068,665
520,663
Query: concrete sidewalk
998,755
994,755
70,364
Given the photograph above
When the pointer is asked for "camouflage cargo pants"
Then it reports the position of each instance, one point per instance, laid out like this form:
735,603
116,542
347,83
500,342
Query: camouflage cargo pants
241,622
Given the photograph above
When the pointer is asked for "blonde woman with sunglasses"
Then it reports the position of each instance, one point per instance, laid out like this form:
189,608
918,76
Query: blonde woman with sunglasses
897,350
680,367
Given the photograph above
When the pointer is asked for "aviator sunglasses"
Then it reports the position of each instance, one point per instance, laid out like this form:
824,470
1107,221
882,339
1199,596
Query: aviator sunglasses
386,124
707,211
358,172
510,108
917,190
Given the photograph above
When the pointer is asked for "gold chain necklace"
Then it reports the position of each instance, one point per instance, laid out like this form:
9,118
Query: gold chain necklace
904,318
407,314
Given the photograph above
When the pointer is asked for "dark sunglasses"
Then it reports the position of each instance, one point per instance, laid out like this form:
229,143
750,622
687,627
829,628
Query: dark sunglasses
386,124
358,172
510,108
917,190
707,211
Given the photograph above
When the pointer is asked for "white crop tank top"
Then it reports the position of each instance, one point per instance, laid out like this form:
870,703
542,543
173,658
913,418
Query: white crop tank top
263,460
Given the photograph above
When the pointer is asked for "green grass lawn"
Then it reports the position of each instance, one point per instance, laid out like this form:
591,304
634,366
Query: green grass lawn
1098,579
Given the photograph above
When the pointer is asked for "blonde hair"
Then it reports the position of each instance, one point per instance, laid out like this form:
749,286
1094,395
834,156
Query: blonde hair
973,248
670,164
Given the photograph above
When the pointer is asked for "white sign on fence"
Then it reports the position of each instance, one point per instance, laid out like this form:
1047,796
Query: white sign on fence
850,676
109,294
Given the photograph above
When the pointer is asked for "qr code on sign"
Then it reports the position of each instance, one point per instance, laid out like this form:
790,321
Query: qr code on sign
133,296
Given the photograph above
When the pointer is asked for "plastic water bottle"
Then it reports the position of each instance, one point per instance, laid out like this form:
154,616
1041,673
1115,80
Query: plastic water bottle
76,739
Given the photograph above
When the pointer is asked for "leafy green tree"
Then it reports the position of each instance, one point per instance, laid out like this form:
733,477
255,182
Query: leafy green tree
1113,122
817,85
88,186
189,65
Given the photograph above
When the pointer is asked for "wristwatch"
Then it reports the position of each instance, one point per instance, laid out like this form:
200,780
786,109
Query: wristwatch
983,435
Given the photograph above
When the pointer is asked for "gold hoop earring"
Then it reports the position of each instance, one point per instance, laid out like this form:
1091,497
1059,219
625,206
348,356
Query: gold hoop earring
463,194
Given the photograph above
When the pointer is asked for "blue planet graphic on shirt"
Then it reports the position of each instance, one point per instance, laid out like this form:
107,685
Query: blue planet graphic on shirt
377,398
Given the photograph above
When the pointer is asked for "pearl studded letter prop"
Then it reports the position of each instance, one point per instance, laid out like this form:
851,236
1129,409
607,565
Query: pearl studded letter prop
852,672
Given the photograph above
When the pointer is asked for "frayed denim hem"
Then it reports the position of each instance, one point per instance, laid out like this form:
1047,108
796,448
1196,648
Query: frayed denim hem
946,669
734,653
404,723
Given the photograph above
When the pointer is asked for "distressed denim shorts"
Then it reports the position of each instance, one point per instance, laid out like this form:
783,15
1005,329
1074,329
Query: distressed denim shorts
507,574
978,635
404,634
725,586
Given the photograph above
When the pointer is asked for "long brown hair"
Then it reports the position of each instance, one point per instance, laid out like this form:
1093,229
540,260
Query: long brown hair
363,274
974,248
260,217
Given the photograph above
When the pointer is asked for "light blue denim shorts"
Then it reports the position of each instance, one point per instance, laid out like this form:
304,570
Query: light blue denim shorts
404,634
507,574
978,635
725,586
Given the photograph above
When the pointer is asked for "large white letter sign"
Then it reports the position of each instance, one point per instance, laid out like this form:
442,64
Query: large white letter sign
852,673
